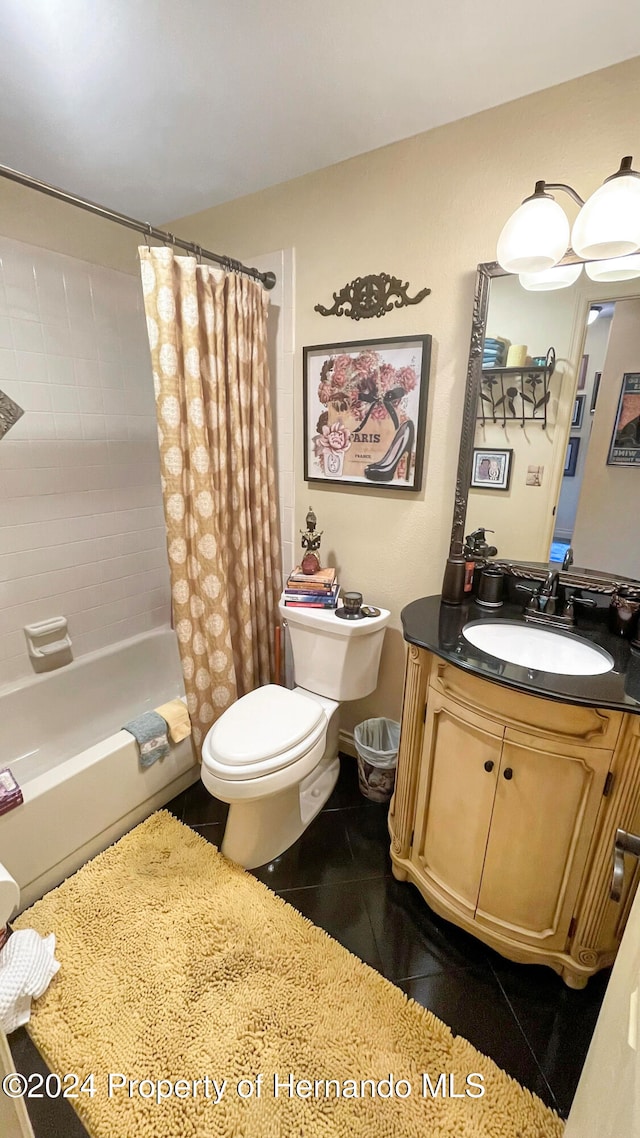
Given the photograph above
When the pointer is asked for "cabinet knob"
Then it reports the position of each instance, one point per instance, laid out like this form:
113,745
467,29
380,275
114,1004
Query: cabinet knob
489,765
508,773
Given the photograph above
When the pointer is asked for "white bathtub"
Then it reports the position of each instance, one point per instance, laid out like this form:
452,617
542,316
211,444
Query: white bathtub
82,782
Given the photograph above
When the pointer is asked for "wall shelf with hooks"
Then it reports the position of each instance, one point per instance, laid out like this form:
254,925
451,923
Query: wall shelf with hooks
516,394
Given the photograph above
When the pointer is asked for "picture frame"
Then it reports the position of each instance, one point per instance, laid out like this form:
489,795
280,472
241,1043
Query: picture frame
578,411
365,410
534,476
491,468
594,391
582,374
625,440
571,458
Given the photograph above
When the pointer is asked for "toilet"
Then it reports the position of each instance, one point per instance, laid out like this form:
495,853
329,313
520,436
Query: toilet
273,755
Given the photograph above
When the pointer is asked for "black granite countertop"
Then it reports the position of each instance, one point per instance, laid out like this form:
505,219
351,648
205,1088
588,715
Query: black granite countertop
438,628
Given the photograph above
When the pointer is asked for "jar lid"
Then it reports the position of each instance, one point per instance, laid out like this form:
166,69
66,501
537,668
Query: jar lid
630,592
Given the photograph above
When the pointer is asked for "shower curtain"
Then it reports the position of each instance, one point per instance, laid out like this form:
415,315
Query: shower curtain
208,338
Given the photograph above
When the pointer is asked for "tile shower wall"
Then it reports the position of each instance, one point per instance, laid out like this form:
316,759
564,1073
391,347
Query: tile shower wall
81,525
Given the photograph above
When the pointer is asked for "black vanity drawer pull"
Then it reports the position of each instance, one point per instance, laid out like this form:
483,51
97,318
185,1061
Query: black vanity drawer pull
489,765
508,773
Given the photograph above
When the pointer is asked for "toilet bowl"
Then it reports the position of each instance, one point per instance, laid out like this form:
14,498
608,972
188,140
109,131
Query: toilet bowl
264,757
273,755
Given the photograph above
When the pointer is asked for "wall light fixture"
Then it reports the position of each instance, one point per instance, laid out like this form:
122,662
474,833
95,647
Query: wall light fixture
560,276
536,236
618,269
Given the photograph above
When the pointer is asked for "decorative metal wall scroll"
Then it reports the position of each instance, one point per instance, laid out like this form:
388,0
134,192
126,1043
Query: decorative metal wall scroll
10,412
371,296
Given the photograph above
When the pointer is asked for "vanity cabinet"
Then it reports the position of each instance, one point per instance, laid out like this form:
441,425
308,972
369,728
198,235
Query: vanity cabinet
505,811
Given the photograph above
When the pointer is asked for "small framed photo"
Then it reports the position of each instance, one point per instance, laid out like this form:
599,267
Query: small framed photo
578,411
594,392
491,469
582,374
571,460
365,409
625,443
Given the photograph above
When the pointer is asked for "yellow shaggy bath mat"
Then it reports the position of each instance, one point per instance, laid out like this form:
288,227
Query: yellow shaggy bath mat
192,1002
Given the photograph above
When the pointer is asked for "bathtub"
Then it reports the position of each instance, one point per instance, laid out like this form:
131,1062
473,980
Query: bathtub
82,782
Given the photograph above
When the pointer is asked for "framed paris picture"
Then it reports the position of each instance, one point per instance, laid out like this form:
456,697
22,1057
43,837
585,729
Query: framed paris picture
365,408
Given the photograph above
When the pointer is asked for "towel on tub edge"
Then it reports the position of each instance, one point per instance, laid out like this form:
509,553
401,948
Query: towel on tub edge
27,966
177,718
150,733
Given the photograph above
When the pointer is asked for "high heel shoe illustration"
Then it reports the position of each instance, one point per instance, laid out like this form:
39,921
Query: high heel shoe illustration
385,469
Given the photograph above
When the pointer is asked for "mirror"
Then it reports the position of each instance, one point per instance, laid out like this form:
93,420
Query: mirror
550,447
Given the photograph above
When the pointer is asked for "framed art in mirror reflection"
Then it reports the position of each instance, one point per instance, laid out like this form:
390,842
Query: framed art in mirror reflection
571,459
491,469
625,443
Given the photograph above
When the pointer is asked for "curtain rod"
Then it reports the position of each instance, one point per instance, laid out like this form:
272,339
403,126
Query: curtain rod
267,279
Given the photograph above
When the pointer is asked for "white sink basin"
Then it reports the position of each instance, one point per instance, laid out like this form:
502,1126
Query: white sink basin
539,649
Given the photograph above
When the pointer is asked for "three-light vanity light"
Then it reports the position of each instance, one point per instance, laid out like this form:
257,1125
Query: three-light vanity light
605,234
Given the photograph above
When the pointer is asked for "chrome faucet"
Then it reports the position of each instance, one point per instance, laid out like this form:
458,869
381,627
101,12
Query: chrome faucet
548,594
543,601
542,598
568,559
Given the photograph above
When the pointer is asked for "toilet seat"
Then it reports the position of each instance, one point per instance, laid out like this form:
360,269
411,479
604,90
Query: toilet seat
264,731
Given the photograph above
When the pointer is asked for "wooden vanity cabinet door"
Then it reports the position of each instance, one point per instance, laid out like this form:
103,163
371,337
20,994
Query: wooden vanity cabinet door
546,805
460,762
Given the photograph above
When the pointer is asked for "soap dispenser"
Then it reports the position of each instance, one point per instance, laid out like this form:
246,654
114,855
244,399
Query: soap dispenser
453,583
477,552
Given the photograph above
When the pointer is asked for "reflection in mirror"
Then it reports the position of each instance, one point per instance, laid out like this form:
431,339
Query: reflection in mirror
557,442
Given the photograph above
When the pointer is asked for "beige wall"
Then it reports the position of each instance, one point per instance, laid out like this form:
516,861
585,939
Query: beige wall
30,216
607,534
427,209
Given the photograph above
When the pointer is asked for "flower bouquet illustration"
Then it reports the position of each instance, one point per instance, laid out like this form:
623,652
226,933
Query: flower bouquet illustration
365,420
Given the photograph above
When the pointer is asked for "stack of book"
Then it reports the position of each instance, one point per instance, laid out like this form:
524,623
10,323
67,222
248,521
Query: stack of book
312,590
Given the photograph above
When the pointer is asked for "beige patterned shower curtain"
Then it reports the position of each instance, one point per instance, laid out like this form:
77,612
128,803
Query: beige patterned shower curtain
208,338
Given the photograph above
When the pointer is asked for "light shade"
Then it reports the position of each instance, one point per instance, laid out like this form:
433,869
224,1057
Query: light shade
608,224
618,269
561,276
535,237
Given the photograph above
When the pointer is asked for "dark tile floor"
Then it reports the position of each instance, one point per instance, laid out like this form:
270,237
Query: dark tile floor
339,876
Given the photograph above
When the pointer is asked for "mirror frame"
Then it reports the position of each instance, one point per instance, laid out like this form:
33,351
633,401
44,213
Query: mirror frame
595,581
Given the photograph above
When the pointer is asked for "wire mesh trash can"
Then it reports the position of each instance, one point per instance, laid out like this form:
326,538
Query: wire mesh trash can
377,742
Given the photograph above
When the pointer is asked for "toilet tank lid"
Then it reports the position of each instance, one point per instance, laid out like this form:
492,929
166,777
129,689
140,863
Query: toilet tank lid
325,620
263,724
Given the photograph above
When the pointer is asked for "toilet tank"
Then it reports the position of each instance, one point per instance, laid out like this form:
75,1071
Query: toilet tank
333,657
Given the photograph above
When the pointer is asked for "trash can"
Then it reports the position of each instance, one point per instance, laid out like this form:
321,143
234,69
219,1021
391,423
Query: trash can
377,743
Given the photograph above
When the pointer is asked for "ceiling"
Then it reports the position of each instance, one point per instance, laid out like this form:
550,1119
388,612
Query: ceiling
160,108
